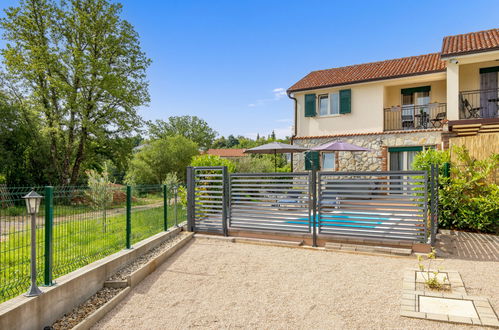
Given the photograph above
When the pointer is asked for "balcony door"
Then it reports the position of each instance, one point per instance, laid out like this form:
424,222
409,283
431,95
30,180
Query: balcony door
415,109
489,97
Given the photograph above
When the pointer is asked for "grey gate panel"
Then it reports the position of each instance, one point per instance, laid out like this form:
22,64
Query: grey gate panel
390,205
208,199
270,201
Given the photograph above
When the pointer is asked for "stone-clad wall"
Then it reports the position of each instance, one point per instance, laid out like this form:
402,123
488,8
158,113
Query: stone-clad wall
369,161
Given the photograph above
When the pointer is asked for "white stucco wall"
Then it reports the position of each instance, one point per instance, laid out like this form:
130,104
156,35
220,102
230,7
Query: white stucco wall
366,113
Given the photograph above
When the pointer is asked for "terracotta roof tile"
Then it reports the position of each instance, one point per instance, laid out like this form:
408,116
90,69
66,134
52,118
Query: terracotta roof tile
388,69
473,42
227,152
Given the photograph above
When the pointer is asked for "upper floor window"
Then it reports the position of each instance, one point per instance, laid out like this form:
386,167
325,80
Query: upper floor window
329,104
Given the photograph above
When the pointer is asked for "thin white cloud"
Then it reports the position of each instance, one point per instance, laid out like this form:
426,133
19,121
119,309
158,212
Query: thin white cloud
279,93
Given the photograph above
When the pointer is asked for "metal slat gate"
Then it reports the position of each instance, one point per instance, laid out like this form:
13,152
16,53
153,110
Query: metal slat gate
270,201
380,205
207,202
391,205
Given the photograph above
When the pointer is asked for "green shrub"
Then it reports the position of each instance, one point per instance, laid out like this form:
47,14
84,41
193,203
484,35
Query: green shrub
468,200
212,160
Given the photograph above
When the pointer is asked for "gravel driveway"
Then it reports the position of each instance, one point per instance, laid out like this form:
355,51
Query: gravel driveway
215,284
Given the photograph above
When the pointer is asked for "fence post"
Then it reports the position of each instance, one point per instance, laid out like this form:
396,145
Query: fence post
224,199
165,208
175,190
128,217
190,199
49,221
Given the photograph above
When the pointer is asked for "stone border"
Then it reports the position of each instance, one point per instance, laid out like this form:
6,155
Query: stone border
409,306
455,281
486,316
97,315
137,276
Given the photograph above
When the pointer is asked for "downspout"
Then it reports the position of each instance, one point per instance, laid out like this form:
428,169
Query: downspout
295,124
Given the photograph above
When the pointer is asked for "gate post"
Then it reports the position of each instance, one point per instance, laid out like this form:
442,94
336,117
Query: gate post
190,198
313,190
225,198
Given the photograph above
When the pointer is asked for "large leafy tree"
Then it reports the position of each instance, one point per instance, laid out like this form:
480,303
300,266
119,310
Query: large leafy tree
23,149
79,65
156,159
191,127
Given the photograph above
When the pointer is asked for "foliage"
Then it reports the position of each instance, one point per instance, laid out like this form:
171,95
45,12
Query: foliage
471,201
79,66
171,181
152,163
212,160
468,200
190,127
430,276
24,149
425,158
100,193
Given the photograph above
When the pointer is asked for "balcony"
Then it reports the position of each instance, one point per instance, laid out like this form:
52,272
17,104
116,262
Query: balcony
410,117
477,104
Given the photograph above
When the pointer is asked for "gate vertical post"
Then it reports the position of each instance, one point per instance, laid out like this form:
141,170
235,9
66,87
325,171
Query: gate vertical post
225,204
437,187
432,203
190,198
313,186
425,210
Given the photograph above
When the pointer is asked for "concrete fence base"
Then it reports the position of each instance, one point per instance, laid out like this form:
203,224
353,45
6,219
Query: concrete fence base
72,289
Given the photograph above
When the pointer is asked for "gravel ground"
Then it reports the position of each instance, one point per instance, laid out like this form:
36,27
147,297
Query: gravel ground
71,319
215,284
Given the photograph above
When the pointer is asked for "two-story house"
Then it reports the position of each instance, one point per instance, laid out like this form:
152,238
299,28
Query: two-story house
398,107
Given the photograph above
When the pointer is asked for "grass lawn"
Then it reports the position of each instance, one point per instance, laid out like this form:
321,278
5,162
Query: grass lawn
77,241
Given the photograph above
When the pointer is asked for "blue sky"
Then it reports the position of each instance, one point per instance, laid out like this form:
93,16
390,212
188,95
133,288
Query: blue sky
229,62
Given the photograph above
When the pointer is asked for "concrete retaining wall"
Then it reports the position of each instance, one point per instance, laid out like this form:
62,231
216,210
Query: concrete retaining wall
71,289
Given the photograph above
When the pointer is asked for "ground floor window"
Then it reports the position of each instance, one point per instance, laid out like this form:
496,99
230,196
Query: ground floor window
328,161
401,158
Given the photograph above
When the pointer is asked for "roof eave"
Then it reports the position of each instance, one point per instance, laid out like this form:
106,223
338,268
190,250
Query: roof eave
364,81
468,52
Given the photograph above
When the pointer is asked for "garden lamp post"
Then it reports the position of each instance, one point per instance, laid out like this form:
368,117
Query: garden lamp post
33,205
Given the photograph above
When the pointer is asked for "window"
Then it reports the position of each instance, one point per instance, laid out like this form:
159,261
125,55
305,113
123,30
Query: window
329,104
323,105
328,161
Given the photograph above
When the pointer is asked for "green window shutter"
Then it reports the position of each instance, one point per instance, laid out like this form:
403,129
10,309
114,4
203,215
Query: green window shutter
312,160
410,91
346,101
491,69
408,148
310,105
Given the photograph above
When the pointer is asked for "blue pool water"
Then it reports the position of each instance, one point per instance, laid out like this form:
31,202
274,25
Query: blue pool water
353,220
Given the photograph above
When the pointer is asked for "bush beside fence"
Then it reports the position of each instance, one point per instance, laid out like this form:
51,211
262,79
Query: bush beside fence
76,226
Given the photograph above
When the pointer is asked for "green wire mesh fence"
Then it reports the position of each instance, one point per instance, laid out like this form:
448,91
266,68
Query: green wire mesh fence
76,226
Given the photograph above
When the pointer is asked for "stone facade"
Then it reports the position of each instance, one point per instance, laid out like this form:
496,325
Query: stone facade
377,159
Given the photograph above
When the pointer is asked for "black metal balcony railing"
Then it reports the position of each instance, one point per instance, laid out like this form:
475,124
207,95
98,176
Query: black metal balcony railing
482,103
409,117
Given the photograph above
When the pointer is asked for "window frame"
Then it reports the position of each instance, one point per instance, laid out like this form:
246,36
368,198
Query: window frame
324,153
329,98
